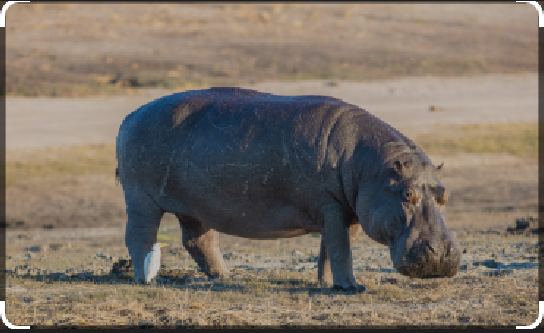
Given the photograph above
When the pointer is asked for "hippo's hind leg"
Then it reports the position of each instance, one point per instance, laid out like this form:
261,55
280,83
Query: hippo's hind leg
202,243
324,273
144,218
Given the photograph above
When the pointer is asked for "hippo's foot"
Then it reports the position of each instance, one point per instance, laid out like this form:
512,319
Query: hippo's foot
358,288
219,276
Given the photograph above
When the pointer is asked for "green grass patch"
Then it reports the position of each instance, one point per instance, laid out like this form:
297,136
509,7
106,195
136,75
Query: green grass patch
167,237
516,139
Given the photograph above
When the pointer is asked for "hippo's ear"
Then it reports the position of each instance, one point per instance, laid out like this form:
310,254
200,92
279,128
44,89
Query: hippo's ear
442,195
439,169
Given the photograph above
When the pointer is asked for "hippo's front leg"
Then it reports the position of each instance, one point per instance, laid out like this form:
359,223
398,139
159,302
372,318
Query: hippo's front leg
324,274
140,235
336,237
202,243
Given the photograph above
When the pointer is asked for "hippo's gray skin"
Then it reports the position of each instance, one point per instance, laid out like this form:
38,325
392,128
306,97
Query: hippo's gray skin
257,165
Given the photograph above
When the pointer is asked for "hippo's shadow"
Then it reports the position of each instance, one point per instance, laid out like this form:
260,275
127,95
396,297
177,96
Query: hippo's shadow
499,268
59,277
190,280
491,263
247,284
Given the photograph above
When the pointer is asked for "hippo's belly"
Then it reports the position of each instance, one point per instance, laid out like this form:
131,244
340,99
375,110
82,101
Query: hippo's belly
243,218
242,212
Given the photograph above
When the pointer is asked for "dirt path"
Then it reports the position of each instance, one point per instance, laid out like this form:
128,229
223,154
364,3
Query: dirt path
403,103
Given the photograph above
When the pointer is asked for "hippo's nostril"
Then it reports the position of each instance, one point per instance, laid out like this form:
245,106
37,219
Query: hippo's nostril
430,247
453,251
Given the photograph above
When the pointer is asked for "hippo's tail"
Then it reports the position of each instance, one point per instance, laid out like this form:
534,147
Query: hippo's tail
117,177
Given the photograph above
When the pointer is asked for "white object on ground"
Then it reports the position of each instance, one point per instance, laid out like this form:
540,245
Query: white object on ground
152,262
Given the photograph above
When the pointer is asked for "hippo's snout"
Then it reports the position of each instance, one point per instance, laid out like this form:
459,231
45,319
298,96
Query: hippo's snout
429,259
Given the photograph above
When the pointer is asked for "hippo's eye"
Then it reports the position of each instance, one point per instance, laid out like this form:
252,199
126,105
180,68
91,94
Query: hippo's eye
411,195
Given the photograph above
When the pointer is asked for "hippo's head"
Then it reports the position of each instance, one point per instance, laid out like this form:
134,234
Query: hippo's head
406,211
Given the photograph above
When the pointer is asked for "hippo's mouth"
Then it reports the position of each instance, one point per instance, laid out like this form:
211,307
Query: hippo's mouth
422,261
428,270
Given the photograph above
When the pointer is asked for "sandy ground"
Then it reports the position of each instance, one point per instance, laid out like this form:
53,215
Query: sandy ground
403,103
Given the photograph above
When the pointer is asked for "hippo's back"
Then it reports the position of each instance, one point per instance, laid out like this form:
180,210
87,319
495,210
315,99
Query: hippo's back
223,126
220,102
239,115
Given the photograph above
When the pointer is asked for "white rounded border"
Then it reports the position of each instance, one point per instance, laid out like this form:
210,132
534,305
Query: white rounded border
538,320
3,303
4,10
540,303
5,320
538,9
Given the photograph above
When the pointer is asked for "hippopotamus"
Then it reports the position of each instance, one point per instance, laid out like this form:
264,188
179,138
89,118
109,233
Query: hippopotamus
263,166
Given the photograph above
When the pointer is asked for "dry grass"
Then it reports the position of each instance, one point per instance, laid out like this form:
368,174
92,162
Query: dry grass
59,161
516,138
261,295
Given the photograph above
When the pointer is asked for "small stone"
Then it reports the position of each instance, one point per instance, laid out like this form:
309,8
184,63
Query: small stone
522,224
34,248
493,232
434,108
55,247
264,17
